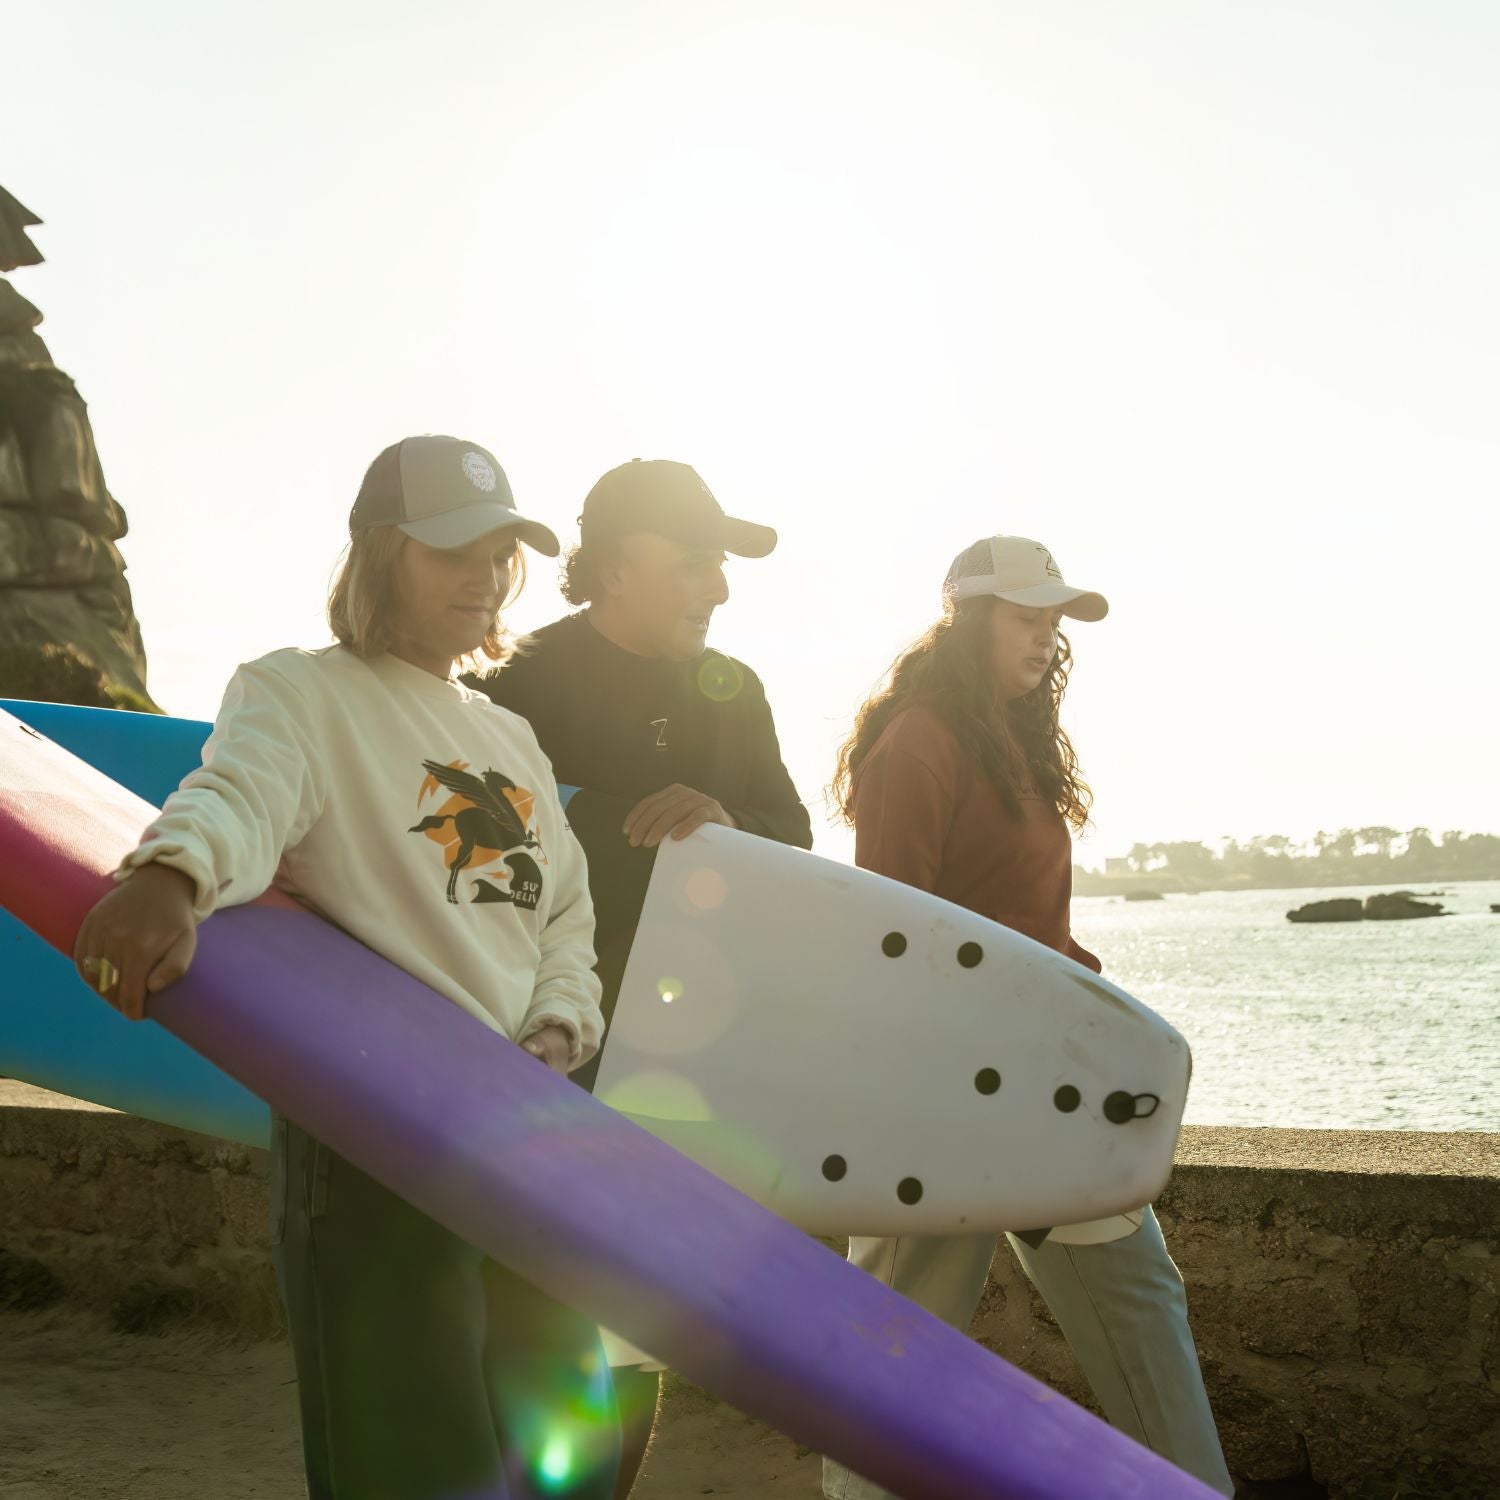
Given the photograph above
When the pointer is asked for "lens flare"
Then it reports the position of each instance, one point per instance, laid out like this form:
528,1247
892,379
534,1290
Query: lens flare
669,989
720,680
659,1095
555,1466
705,889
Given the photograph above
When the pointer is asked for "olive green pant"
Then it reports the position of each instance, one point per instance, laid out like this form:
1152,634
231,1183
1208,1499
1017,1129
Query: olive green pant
425,1371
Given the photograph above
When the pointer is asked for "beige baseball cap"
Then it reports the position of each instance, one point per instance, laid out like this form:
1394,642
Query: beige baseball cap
444,492
1023,571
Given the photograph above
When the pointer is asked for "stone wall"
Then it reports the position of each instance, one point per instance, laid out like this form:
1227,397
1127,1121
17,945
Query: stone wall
118,1208
1344,1285
1345,1295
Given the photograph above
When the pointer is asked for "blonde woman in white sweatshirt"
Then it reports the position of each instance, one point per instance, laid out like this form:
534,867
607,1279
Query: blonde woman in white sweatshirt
424,820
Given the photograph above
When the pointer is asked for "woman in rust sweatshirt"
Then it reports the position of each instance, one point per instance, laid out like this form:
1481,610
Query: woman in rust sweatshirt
959,779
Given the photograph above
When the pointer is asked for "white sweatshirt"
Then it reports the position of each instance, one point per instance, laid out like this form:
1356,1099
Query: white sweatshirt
414,813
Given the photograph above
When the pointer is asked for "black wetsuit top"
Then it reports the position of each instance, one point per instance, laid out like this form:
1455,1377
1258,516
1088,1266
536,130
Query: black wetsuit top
622,727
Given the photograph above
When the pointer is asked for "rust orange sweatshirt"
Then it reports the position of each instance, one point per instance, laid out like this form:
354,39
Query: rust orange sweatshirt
925,814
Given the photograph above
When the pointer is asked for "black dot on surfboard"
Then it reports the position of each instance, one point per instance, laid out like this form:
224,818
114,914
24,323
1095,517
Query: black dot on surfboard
1119,1108
909,1191
834,1168
893,944
970,955
1067,1098
987,1081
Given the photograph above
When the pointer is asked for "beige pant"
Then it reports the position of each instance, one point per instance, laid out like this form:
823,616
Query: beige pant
1121,1307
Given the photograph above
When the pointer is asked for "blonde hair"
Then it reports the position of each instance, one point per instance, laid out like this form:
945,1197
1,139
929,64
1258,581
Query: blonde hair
362,600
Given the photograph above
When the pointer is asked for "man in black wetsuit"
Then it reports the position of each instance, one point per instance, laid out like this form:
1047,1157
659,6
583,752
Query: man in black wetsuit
663,734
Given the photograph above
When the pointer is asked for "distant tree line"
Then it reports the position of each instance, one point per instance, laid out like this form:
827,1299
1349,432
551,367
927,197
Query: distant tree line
1352,856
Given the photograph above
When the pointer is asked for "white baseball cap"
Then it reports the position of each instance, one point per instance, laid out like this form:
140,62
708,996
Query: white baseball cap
1023,571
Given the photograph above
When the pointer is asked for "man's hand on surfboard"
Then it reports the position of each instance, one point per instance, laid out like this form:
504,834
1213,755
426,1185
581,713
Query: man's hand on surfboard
551,1045
139,938
676,810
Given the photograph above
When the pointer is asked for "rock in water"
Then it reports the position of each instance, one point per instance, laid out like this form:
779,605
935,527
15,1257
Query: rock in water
1399,906
1340,909
68,630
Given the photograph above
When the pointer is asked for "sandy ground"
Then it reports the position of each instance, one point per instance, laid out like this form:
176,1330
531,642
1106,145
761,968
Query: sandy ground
88,1414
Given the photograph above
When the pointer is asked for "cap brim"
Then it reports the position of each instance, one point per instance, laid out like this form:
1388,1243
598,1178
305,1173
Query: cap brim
1077,604
457,528
713,533
719,534
746,539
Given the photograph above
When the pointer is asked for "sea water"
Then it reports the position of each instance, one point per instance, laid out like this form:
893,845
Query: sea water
1369,1025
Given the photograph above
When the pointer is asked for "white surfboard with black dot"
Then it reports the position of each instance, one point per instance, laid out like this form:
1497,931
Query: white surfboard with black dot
865,1058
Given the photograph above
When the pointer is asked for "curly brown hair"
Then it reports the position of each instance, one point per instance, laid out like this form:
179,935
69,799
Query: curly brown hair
581,582
1020,746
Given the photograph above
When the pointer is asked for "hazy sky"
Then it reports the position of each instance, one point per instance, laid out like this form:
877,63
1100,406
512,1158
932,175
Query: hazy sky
1202,295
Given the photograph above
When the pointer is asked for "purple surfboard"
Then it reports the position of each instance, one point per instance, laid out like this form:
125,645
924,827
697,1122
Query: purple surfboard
571,1195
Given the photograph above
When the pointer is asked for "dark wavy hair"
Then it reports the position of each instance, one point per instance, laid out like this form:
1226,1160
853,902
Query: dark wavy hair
1020,746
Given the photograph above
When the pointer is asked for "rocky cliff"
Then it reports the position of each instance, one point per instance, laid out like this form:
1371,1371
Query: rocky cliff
68,630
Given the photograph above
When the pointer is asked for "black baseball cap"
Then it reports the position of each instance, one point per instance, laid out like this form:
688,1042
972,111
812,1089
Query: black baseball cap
445,492
655,494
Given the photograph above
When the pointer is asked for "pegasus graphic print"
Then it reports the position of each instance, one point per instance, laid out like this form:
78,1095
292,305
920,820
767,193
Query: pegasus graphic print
485,826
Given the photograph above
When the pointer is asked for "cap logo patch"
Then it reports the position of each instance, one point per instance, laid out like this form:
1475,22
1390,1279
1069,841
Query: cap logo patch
1053,571
479,471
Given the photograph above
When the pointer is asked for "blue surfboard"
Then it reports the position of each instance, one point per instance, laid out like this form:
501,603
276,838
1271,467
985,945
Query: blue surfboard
53,1030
